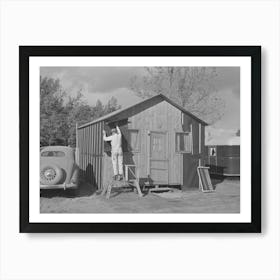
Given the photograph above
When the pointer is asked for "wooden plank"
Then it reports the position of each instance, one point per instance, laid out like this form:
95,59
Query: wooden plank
101,163
83,153
173,121
99,134
91,152
204,179
195,132
160,189
96,152
199,138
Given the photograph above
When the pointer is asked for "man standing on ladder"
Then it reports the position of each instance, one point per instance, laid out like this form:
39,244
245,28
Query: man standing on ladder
116,151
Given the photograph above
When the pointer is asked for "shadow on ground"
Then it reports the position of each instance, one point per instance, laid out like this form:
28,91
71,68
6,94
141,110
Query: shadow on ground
216,180
84,190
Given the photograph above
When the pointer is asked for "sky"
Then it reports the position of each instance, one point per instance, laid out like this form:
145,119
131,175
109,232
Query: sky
104,82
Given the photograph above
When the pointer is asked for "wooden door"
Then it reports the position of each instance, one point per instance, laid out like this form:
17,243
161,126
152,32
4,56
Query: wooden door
158,157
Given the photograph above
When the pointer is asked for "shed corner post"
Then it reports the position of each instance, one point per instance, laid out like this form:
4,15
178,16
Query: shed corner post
77,145
103,159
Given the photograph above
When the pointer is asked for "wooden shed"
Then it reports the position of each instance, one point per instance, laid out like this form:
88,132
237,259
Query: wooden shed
162,144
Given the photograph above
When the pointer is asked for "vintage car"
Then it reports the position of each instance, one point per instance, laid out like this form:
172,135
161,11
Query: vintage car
58,169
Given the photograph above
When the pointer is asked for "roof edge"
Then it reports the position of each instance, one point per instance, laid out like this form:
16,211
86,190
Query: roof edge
182,109
163,97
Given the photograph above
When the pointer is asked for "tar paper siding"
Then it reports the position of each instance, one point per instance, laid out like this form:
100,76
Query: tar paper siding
192,160
90,148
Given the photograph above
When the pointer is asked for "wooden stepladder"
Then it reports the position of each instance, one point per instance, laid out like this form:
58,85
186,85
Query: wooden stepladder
131,180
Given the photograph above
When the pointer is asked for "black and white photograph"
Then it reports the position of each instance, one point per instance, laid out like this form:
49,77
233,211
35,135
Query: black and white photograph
139,138
133,139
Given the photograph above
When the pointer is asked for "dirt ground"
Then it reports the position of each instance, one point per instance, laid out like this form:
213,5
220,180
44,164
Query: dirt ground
225,199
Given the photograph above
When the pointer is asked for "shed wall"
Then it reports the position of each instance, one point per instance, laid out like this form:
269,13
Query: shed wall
90,146
196,158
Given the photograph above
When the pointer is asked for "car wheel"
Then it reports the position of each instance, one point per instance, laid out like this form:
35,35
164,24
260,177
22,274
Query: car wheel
50,175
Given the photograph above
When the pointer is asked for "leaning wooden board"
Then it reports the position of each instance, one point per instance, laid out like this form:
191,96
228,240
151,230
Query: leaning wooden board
204,179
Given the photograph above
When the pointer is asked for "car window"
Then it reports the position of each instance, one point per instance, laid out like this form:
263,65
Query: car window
53,154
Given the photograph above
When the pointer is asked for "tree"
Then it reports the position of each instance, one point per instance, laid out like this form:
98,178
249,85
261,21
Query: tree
60,112
77,111
112,105
191,87
80,112
51,111
98,109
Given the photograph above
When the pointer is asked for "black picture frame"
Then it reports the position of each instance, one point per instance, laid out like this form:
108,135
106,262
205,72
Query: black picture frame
25,52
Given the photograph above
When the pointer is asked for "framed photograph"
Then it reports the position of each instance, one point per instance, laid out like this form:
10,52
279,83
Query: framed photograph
114,138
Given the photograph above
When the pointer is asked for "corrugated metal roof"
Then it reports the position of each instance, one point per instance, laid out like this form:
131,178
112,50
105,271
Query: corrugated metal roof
160,98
